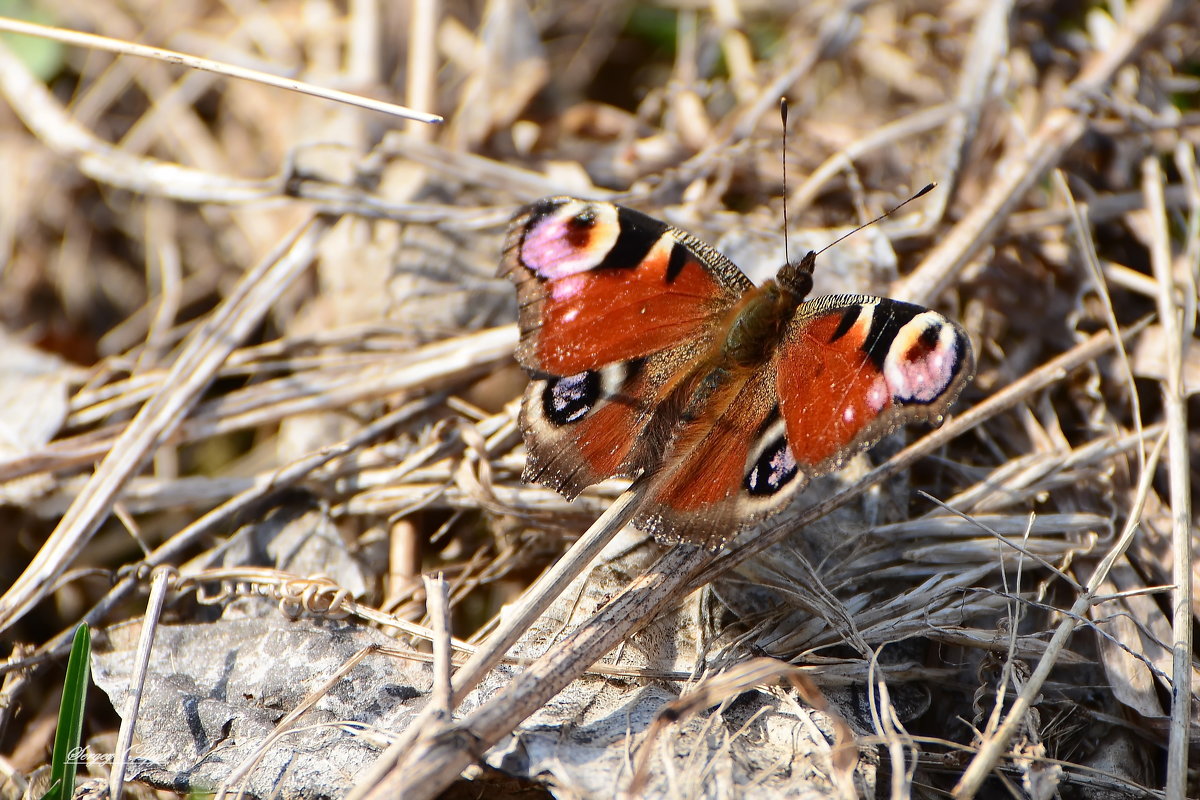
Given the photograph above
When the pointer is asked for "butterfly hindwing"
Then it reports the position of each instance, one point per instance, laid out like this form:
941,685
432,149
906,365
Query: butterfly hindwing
726,465
597,424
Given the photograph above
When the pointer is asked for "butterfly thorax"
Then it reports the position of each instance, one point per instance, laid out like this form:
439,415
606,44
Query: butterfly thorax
755,325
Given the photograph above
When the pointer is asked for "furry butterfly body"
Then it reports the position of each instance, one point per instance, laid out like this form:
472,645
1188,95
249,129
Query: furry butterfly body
651,354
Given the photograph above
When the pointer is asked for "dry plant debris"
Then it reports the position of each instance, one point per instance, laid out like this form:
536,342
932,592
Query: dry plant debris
252,352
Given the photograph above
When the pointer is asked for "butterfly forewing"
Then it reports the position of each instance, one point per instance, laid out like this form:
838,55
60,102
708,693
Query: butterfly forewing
853,368
599,284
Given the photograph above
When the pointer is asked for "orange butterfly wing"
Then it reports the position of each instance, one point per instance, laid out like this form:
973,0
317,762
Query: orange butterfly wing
614,308
852,369
598,284
650,352
848,370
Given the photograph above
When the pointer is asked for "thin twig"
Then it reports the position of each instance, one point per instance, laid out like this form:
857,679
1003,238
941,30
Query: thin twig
1180,474
195,62
513,623
994,745
1060,129
437,602
160,583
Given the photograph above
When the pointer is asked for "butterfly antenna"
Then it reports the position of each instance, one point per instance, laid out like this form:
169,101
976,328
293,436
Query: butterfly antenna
783,105
928,188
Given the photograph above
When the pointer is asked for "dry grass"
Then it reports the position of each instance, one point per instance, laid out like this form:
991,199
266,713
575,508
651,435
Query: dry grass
221,299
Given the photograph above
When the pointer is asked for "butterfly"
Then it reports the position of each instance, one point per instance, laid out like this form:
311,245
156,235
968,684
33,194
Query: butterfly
651,354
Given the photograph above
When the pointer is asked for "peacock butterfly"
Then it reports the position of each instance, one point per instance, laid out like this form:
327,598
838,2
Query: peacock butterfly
650,353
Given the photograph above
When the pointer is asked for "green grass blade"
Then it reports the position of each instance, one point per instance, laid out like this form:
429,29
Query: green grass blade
63,765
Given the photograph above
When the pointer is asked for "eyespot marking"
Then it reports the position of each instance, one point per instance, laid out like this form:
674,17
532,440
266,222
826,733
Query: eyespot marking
774,469
567,400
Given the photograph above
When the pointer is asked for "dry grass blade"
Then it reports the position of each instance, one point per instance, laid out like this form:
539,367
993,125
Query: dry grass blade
192,62
1061,128
191,374
997,741
1171,312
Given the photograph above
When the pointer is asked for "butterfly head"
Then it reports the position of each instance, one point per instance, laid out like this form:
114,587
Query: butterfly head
796,277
